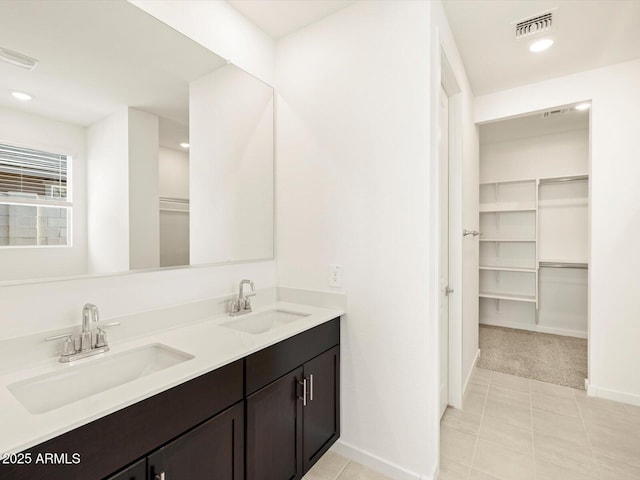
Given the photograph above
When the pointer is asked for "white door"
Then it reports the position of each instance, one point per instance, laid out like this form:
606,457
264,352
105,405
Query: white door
444,251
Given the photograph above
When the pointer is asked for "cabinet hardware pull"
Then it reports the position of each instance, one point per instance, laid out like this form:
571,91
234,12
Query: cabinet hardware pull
311,387
304,391
159,476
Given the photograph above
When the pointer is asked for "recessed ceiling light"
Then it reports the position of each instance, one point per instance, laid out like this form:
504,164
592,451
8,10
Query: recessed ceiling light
185,145
21,96
583,106
540,45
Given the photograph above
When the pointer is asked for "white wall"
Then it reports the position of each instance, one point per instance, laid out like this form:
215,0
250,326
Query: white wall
174,218
354,189
108,193
144,216
552,155
173,173
463,185
614,333
37,132
231,167
222,29
31,308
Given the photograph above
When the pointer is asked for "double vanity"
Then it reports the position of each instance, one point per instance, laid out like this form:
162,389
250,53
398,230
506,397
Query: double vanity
253,395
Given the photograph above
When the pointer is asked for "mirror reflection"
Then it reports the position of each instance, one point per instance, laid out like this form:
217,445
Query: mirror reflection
125,145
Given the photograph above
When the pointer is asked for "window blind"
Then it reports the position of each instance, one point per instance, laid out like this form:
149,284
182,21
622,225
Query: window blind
32,173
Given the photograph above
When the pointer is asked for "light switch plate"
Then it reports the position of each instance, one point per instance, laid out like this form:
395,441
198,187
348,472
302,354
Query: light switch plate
335,275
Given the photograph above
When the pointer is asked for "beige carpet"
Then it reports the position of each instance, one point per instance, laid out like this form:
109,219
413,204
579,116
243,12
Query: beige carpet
548,358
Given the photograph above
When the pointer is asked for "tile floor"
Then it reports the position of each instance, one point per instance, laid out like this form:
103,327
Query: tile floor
513,428
335,467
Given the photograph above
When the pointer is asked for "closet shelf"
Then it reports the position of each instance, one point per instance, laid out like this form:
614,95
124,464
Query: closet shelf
573,202
494,209
514,240
503,182
508,296
509,269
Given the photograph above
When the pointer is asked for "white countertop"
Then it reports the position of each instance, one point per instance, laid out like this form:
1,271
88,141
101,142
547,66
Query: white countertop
211,345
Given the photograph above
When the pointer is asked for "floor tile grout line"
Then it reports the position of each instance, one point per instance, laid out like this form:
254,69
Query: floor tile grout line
533,436
586,431
484,406
342,470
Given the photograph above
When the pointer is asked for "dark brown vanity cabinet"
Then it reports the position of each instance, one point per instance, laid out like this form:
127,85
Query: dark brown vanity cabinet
214,450
321,416
293,420
137,471
268,416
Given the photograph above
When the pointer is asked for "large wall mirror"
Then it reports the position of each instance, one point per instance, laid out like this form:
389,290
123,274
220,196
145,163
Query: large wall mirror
124,145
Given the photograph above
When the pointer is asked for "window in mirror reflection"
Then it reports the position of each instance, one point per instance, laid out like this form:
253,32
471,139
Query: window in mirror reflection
34,206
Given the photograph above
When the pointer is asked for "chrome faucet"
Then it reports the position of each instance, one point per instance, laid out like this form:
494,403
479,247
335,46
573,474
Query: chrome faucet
85,339
89,315
242,304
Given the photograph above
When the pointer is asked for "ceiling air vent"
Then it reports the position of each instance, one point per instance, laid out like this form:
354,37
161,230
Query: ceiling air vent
542,23
555,113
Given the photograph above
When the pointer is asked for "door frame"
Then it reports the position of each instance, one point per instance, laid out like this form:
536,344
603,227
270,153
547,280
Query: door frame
452,88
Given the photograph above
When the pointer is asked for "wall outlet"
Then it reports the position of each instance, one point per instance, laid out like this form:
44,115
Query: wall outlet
335,275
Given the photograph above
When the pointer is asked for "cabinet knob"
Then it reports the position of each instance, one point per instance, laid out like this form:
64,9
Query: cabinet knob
159,476
311,387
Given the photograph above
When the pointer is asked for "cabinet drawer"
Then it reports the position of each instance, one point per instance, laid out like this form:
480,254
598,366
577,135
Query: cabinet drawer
265,366
127,435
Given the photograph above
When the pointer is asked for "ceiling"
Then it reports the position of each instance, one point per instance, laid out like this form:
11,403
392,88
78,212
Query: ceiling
96,57
278,18
590,34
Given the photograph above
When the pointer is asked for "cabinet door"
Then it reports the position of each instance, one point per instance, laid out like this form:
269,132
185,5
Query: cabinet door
274,430
321,416
137,471
214,451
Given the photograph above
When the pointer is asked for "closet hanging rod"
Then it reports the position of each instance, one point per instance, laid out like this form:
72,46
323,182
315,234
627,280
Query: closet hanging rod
564,265
564,179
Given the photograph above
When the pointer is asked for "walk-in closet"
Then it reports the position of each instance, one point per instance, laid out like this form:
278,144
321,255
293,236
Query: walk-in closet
534,245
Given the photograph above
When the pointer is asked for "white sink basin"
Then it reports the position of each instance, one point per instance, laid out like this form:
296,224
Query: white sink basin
256,323
54,390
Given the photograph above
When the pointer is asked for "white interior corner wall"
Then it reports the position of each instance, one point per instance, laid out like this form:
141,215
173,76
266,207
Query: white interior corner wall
173,178
353,189
33,131
144,184
614,330
463,211
108,193
173,173
222,29
553,155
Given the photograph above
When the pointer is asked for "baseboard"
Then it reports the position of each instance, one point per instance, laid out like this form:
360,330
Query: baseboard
473,365
535,328
616,396
379,464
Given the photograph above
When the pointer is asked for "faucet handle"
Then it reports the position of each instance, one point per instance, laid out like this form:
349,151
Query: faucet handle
68,346
235,306
101,335
56,337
